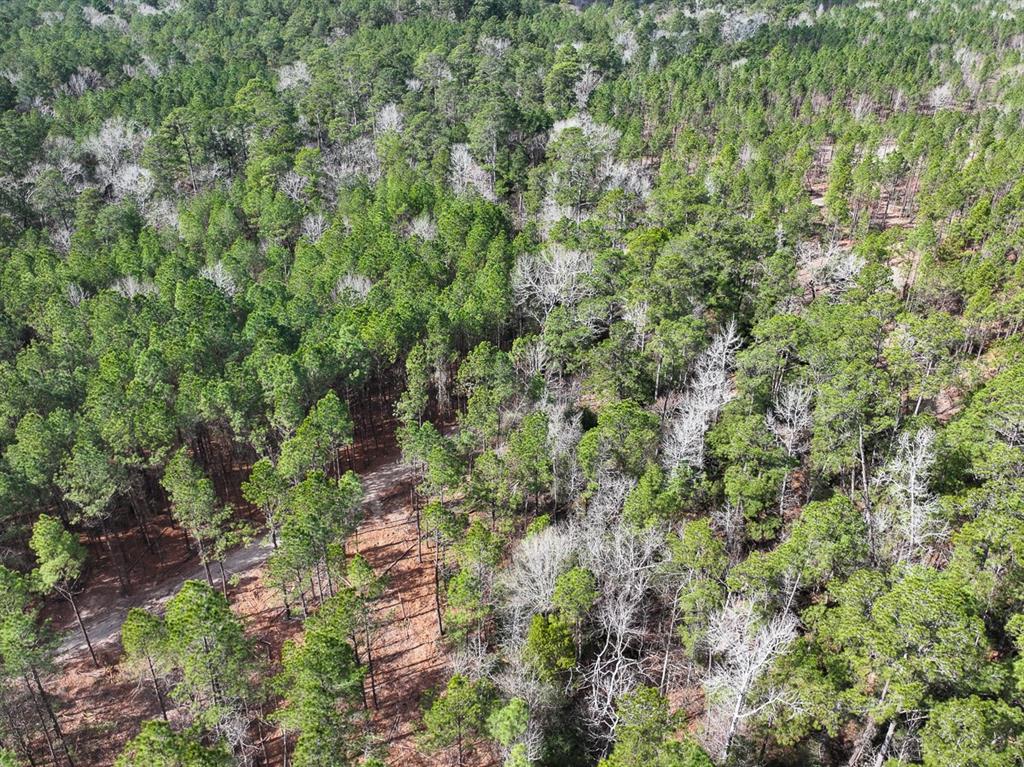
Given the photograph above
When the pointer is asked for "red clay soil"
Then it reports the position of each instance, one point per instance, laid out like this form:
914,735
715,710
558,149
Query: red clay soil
100,709
407,659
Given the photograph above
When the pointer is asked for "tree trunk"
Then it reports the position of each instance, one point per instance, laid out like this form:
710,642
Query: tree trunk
156,687
263,740
863,742
223,578
204,560
369,664
668,643
42,723
864,470
884,749
419,531
327,572
140,520
19,735
437,585
734,723
355,653
121,579
81,625
53,717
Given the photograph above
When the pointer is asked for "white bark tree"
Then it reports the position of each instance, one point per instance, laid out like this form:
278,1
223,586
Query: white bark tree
466,173
314,225
790,420
625,562
221,277
636,316
294,75
746,647
590,78
556,277
423,226
130,287
699,406
117,149
527,585
727,520
352,287
389,120
76,293
564,432
293,186
907,523
348,162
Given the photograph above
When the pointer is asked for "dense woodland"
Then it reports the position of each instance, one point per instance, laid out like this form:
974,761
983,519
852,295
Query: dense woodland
699,324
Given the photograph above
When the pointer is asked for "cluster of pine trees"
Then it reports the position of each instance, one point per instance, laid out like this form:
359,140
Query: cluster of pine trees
699,324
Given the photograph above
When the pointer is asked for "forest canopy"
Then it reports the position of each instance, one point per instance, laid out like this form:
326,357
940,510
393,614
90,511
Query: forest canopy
695,328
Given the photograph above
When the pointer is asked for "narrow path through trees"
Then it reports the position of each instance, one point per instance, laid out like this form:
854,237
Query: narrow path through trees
103,620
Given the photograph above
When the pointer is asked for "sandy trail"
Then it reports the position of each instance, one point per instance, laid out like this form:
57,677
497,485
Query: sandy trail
103,618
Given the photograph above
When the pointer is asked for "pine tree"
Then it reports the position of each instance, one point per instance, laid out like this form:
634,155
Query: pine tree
60,560
159,746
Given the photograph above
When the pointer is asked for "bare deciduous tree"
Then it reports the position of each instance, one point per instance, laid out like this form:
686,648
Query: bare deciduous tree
314,225
82,81
630,177
742,26
636,316
131,286
527,585
556,277
466,173
220,277
160,213
494,47
708,392
423,226
624,560
117,149
63,154
907,522
472,659
627,44
349,162
293,186
294,75
531,358
76,293
565,428
98,19
790,421
590,78
727,520
389,120
353,287
746,647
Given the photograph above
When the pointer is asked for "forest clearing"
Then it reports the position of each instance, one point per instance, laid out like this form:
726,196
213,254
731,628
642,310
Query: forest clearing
103,704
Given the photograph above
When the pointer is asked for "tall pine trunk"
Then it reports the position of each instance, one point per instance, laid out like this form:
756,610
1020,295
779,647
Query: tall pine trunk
81,625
